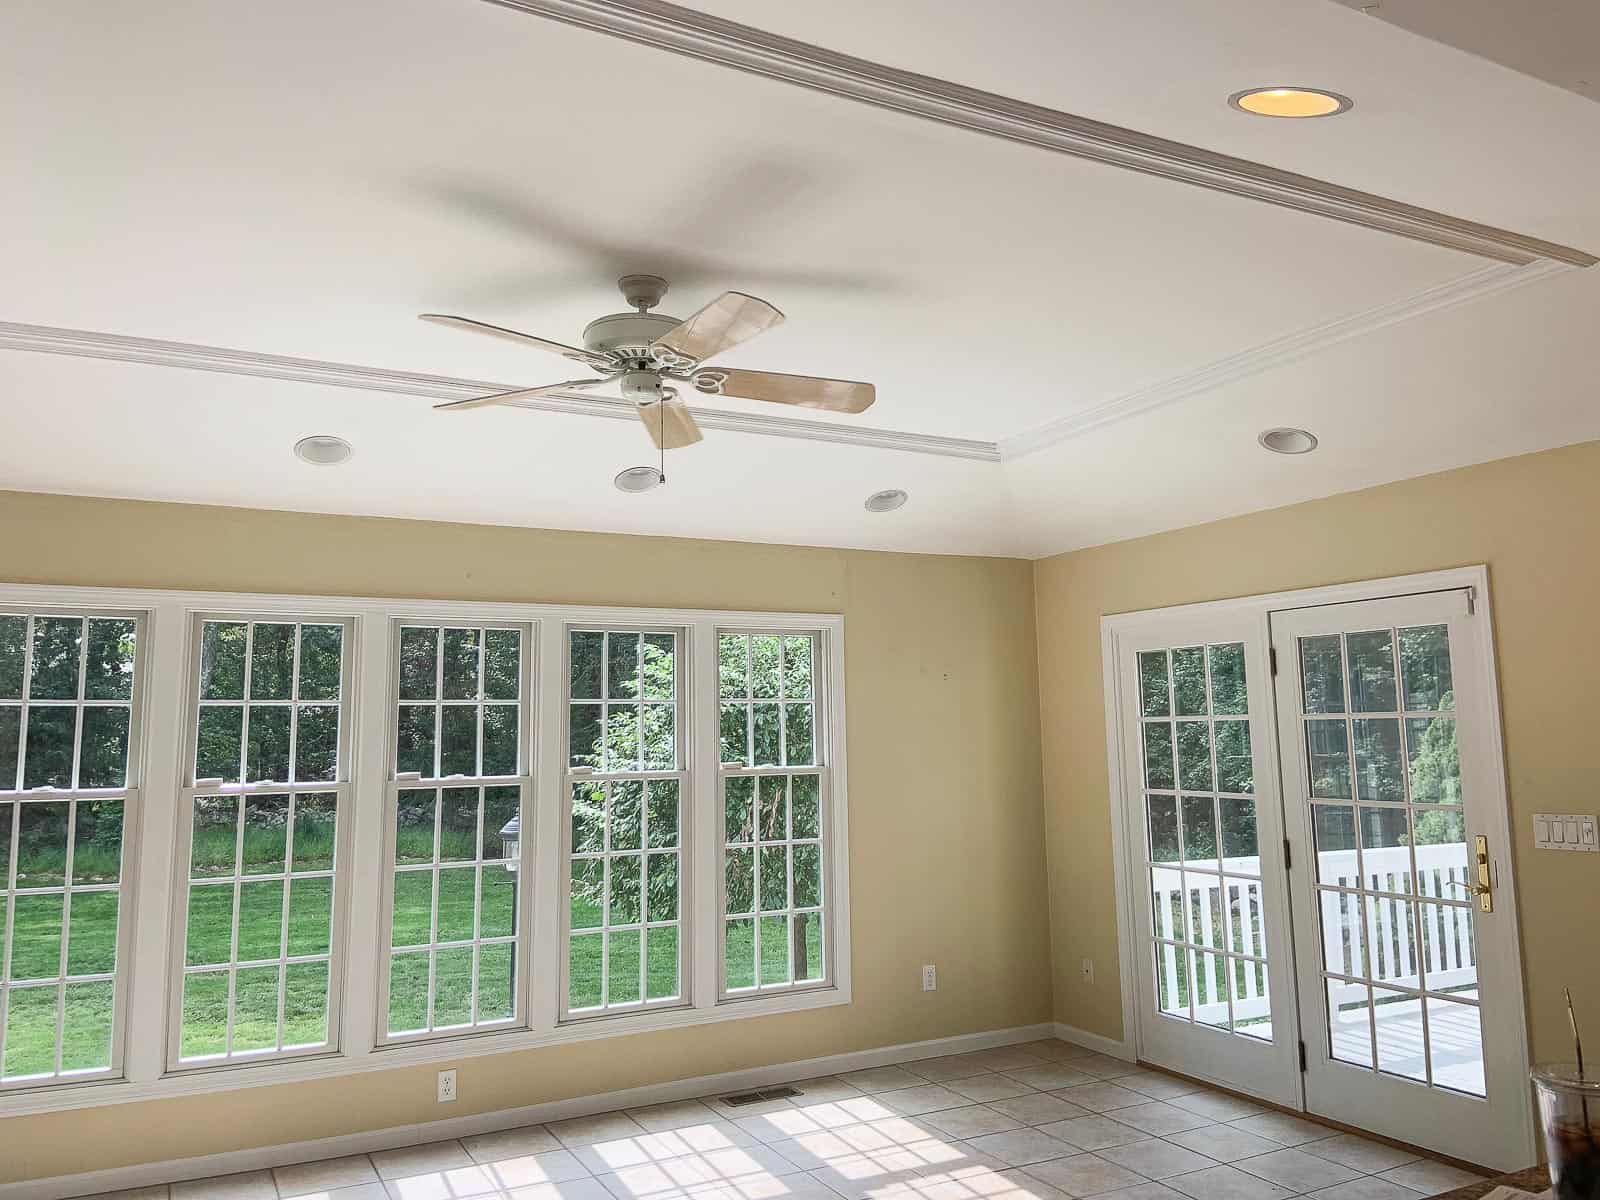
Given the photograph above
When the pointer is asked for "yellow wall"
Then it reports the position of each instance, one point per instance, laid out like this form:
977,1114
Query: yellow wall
1534,520
941,696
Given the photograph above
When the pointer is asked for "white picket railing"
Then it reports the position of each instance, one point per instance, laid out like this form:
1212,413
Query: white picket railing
1398,953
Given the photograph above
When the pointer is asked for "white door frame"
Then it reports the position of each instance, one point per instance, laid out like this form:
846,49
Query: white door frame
1116,628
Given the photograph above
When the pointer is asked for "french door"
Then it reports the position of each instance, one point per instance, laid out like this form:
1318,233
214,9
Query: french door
1409,979
1215,977
1317,873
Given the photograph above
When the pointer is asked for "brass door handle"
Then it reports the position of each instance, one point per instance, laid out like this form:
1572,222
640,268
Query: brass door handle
1483,888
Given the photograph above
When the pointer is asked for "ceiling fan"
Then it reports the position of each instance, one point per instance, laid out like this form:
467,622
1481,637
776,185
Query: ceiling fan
646,353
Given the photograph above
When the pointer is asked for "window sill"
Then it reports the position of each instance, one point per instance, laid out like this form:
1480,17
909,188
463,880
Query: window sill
230,1076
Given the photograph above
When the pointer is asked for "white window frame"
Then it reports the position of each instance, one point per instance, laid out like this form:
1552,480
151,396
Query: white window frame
528,721
341,786
42,603
821,701
151,876
684,716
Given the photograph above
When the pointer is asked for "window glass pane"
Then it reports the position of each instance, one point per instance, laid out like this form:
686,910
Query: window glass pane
766,748
1328,747
804,812
735,734
103,754
408,992
321,661
502,664
267,745
622,666
57,645
222,645
1163,815
497,982
1433,759
86,1019
1194,755
1154,700
1334,827
661,945
1189,681
1158,771
733,666
305,1004
415,740
1371,671
458,824
1322,673
97,844
1239,842
764,666
1228,691
419,663
272,662
30,1033
1425,668
662,819
1235,769
458,741
1386,849
1379,773
586,650
460,664
47,755
799,750
108,673
316,743
10,745
797,668
738,952
13,642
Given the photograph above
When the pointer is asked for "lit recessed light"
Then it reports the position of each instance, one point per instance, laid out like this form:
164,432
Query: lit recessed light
323,450
1288,441
886,501
1290,102
638,479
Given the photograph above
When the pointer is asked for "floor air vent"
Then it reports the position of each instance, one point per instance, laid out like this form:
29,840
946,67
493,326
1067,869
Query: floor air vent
757,1097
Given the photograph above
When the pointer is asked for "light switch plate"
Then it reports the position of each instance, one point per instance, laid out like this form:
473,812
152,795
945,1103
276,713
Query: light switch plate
1564,831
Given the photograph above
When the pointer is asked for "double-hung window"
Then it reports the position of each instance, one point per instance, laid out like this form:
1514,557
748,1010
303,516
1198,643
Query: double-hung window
625,826
774,813
69,730
457,944
264,810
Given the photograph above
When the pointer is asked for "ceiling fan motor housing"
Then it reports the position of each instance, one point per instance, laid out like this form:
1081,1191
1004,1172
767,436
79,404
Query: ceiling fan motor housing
628,334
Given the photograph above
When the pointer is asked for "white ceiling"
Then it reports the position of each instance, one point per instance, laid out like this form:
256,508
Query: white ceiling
301,179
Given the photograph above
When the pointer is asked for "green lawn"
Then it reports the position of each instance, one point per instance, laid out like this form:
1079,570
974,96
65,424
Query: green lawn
91,949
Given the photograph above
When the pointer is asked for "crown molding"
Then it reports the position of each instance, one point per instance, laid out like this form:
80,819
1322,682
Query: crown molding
1486,281
684,31
80,343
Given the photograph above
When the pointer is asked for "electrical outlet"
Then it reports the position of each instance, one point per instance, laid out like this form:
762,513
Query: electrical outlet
447,1086
930,978
1088,970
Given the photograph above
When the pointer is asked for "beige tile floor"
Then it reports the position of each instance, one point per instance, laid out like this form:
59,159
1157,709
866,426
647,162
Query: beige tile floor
1041,1121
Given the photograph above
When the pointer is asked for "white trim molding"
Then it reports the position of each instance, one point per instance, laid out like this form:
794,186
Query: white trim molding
190,356
698,35
205,1166
1278,352
1122,1048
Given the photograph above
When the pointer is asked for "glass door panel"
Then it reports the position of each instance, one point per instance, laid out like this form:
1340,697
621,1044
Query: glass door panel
1382,720
1203,806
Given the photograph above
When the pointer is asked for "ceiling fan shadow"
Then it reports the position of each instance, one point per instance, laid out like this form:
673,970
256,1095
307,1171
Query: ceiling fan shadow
735,208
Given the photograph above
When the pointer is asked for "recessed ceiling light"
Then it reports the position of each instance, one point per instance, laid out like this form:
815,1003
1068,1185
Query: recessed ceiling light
638,479
1290,102
1288,441
885,501
323,450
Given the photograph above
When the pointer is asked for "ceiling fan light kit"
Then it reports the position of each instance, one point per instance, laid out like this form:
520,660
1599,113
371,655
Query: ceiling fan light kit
647,355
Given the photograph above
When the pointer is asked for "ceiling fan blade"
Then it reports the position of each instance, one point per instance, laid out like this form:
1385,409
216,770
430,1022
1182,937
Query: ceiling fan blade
806,391
670,424
519,394
511,335
721,325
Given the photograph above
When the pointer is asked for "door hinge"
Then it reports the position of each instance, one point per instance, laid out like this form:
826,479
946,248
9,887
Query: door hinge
1472,601
1272,659
1302,1058
1288,855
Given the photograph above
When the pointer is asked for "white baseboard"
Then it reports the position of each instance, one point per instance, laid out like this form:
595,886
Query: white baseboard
60,1187
1082,1037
